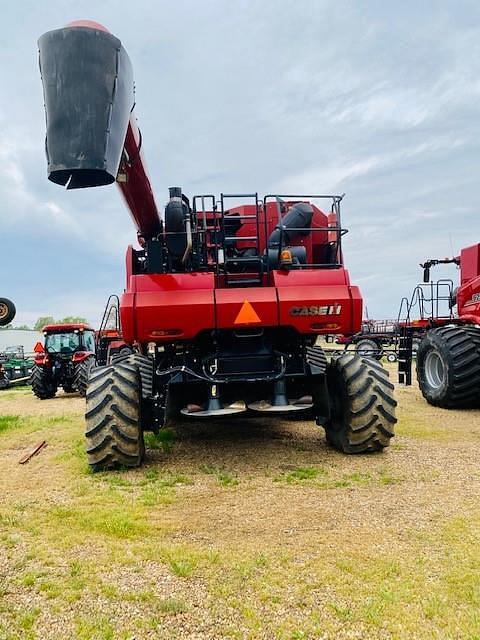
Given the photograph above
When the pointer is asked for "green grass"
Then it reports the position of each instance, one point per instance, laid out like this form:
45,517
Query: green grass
172,606
322,478
163,440
224,477
9,422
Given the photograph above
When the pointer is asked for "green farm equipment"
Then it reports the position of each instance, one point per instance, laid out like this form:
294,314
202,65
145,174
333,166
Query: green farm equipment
15,368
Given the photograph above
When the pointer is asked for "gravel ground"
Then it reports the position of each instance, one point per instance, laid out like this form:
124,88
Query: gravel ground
244,529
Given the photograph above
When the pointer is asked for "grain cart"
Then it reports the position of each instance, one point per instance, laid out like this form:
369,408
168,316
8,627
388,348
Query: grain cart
448,326
225,297
7,311
66,359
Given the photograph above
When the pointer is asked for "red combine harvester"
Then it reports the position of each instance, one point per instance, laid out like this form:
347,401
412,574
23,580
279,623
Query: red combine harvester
448,356
226,297
67,357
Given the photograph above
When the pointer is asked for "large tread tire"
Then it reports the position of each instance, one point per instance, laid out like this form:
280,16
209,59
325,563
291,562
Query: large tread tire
448,367
7,311
368,348
43,386
145,367
82,372
113,417
362,405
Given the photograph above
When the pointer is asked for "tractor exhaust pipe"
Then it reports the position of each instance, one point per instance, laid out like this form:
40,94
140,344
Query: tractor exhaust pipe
92,139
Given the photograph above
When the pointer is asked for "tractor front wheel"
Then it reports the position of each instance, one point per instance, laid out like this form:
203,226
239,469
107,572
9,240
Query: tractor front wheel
448,367
43,384
114,430
80,377
362,405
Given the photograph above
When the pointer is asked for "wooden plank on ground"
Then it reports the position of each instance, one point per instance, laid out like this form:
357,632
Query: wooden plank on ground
36,449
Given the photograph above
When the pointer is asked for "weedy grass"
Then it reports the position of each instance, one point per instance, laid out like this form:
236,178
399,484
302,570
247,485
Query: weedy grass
224,477
9,422
116,555
163,440
323,478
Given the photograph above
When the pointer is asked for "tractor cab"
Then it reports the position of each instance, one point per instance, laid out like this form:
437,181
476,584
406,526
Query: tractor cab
67,356
66,339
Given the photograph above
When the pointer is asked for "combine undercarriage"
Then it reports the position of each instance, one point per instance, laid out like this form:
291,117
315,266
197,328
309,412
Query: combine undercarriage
350,396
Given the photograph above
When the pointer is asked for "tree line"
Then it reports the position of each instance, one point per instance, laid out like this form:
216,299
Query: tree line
43,320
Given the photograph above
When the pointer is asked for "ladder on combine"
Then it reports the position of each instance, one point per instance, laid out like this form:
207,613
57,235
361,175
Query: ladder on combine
110,323
432,306
247,269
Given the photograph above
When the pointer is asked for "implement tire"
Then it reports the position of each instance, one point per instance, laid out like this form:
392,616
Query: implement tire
43,385
113,417
362,405
7,311
368,348
448,367
80,377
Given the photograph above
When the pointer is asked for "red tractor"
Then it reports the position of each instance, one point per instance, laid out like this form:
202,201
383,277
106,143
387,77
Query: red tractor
67,357
448,355
226,296
7,311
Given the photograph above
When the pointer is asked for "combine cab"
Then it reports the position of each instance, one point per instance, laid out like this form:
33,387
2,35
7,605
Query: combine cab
7,311
66,360
226,296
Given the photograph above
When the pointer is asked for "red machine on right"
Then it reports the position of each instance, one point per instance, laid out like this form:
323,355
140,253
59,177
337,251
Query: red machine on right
448,323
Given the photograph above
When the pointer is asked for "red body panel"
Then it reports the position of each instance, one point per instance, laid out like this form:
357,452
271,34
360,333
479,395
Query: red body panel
318,301
468,294
164,308
179,305
229,303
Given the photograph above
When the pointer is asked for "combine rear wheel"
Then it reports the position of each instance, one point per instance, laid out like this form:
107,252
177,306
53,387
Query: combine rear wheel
448,367
114,431
43,385
7,311
80,378
362,405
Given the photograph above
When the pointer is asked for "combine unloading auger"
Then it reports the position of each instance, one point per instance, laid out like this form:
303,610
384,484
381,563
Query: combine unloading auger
224,301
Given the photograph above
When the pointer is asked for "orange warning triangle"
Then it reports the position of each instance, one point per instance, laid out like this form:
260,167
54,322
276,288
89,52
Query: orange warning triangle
247,314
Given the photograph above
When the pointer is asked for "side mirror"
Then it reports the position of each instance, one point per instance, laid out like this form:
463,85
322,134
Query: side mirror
426,274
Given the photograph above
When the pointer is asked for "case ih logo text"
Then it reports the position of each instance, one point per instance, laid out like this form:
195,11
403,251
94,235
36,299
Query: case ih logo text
328,310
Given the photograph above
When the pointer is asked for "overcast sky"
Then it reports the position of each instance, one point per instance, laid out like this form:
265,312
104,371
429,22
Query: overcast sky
378,99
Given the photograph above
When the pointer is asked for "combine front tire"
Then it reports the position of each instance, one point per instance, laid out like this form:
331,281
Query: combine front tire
448,367
362,405
43,385
114,432
82,371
